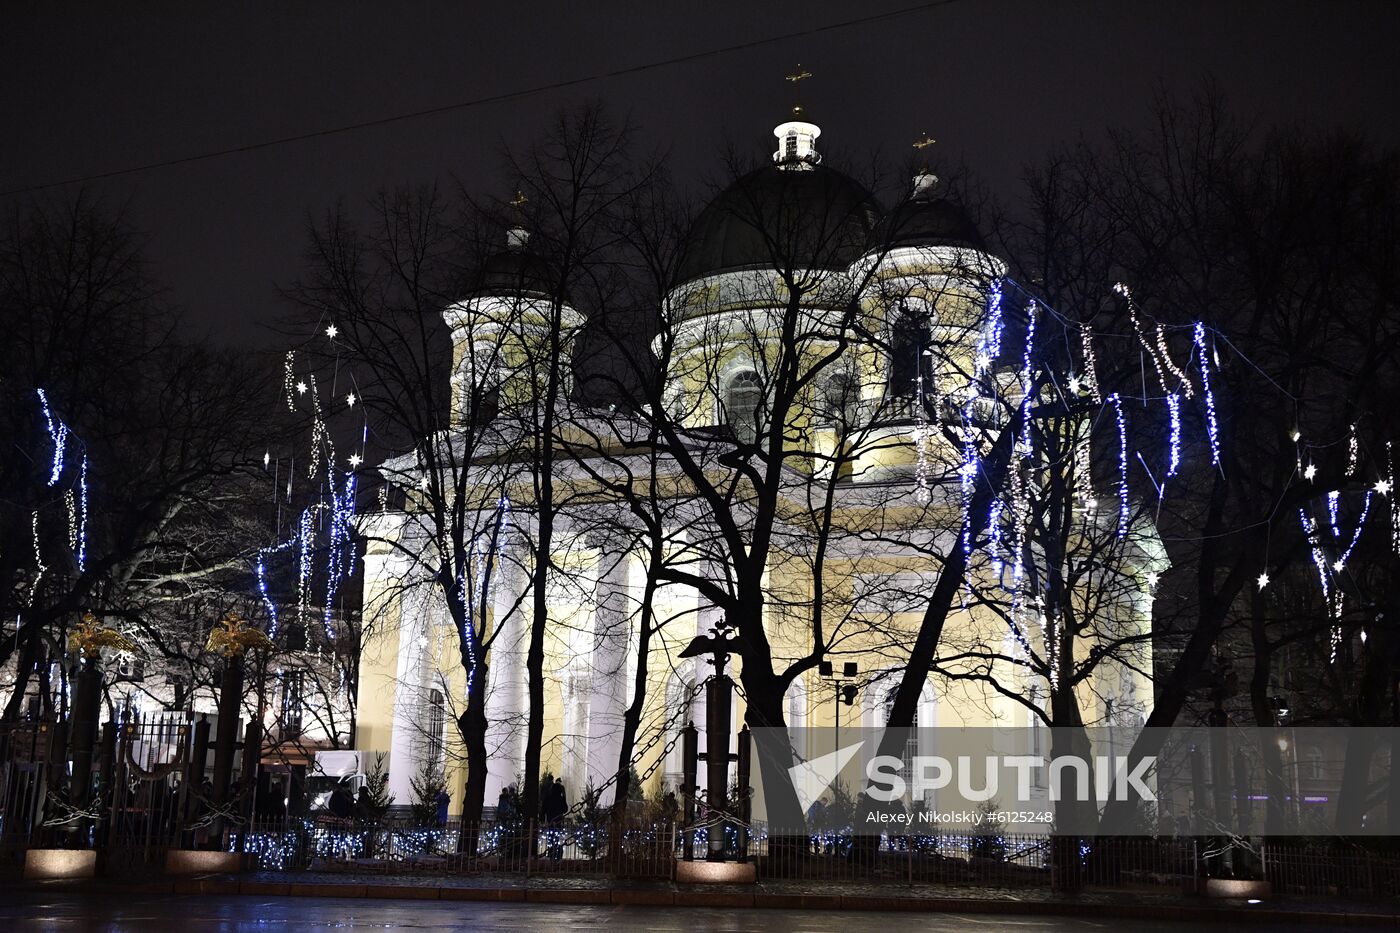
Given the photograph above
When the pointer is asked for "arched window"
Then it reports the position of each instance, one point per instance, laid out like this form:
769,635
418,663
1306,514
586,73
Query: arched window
910,338
437,728
742,396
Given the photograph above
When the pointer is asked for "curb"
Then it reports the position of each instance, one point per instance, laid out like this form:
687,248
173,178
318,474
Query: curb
694,897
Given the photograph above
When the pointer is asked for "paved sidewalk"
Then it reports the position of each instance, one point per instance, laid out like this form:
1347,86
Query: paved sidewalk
1134,905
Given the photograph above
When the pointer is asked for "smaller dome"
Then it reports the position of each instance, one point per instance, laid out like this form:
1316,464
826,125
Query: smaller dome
926,220
517,270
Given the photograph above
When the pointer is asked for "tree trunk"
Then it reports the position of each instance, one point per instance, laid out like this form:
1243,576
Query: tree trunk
472,726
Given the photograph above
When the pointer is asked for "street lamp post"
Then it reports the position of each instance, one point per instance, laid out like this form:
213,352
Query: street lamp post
844,691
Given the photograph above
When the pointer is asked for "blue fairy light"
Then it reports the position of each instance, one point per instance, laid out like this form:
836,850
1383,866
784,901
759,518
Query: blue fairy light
1212,427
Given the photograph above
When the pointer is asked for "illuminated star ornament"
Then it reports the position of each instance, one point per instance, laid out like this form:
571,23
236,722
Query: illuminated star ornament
1310,472
350,400
355,460
332,331
301,388
1263,580
1383,486
1152,578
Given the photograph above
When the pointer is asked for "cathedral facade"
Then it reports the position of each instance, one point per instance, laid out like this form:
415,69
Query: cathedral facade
895,304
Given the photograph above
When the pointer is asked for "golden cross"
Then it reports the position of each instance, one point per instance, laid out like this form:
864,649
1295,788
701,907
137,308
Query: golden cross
799,75
924,142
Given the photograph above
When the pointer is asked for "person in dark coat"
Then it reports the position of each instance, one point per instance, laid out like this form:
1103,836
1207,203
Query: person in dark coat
443,801
341,804
555,805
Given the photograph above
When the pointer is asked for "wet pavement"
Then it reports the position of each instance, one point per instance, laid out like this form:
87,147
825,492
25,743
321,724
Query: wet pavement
41,910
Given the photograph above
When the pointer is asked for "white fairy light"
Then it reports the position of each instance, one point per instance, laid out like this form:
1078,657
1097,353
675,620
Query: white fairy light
1382,486
1091,366
1151,350
1263,580
1353,451
267,459
301,387
1152,579
1075,385
332,331
1117,401
1183,381
288,385
1310,471
355,460
350,400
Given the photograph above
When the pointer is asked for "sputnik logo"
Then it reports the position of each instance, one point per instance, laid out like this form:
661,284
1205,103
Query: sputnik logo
812,778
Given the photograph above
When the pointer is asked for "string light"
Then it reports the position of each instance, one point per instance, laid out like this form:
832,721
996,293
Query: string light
1026,387
1150,349
1353,451
40,568
70,499
58,434
1355,535
923,492
1212,427
1183,381
1174,410
1117,402
1091,366
81,553
989,343
289,386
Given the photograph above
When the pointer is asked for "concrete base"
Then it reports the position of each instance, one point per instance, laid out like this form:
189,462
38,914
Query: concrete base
1237,888
715,873
59,864
197,862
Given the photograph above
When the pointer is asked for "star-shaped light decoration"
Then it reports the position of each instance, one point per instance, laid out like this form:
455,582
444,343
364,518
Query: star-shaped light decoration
350,400
1075,385
332,331
1339,565
355,460
1310,471
983,361
267,458
301,388
1383,486
1152,578
1263,580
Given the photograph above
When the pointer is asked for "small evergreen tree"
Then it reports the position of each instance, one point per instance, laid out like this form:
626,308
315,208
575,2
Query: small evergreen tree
427,785
377,783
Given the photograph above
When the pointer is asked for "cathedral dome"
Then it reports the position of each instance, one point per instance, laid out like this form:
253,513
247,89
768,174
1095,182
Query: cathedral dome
926,220
813,218
517,270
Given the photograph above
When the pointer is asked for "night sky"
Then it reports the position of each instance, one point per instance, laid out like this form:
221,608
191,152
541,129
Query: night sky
85,91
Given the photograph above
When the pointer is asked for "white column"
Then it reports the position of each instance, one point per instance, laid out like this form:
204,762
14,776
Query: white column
506,698
608,684
410,691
